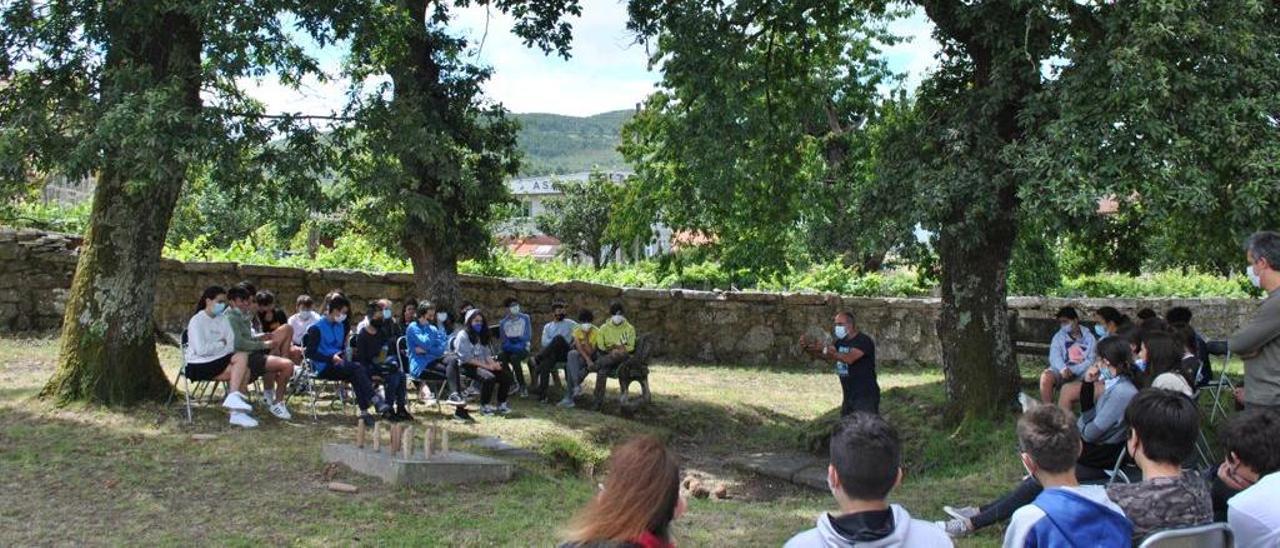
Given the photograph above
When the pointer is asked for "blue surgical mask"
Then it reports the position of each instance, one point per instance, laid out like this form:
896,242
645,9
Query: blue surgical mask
386,313
1099,330
1140,364
1065,329
515,309
841,332
478,328
442,316
1105,374
219,308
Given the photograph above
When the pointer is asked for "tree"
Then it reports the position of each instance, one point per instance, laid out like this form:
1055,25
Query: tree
114,90
426,154
1045,107
580,218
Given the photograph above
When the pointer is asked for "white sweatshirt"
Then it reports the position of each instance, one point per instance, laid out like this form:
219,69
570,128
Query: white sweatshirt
209,338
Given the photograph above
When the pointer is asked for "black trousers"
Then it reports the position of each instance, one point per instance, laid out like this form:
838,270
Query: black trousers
859,393
547,358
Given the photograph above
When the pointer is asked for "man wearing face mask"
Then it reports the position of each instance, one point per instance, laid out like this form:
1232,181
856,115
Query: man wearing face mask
1258,341
854,353
557,336
374,349
615,341
1071,352
386,312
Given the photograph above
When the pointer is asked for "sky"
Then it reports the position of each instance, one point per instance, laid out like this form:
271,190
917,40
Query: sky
607,70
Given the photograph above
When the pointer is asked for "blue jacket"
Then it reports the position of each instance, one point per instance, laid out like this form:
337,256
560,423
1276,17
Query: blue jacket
516,332
1058,351
430,339
1072,521
324,339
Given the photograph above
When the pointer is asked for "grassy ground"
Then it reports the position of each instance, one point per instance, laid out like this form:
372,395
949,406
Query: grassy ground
95,476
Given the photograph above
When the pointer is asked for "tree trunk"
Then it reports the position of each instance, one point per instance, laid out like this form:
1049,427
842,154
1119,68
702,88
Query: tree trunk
108,352
435,274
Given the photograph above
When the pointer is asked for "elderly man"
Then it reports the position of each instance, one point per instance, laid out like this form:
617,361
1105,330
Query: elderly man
1258,342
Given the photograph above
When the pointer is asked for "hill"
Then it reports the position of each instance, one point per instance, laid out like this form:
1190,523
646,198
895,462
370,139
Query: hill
553,143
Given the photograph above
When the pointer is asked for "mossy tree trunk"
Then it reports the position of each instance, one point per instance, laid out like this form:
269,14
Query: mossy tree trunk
152,87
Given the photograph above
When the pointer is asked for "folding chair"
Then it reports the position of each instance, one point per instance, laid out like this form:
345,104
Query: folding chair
311,384
1222,382
402,351
201,388
1118,471
1213,535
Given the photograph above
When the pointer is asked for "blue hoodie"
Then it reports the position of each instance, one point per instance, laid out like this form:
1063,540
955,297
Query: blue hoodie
430,339
516,332
1073,517
324,339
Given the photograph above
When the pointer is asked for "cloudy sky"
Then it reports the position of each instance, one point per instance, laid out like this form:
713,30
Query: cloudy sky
607,71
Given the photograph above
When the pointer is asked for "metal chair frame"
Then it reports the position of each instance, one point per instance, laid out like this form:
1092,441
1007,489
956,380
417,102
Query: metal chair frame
1213,535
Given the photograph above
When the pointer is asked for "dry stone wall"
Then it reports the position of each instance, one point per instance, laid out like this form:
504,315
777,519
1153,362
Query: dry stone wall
695,326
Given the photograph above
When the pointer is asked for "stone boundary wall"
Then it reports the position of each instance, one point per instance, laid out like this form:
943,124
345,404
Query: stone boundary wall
697,326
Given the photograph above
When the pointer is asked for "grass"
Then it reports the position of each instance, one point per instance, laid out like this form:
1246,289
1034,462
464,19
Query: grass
88,475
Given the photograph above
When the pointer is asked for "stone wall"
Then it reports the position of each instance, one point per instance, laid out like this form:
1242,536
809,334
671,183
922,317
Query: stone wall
699,326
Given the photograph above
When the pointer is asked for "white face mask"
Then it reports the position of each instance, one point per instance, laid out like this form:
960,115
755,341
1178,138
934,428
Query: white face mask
1254,278
616,319
342,318
442,316
515,309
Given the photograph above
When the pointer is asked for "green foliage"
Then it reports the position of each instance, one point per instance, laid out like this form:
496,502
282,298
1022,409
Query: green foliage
1168,283
1033,268
581,215
30,213
571,453
555,144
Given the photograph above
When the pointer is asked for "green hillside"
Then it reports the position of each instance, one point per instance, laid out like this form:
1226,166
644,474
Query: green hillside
568,144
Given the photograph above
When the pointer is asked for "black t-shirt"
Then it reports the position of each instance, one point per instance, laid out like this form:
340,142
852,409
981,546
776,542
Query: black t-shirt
864,367
270,320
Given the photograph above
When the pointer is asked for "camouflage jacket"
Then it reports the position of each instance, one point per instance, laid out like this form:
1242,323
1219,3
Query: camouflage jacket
1163,503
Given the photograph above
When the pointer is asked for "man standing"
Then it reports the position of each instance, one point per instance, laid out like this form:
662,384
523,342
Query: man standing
1258,342
854,354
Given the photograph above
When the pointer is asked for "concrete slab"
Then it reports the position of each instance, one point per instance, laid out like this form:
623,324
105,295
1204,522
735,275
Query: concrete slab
783,466
502,448
814,477
450,468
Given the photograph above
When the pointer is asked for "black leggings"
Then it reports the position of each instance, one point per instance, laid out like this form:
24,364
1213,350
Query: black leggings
548,357
1028,489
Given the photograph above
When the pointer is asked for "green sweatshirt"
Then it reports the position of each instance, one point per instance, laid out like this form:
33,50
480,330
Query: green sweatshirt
243,331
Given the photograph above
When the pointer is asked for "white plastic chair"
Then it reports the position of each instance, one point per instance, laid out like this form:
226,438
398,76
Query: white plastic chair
1213,535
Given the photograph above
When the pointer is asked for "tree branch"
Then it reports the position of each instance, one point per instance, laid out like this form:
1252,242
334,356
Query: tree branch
946,14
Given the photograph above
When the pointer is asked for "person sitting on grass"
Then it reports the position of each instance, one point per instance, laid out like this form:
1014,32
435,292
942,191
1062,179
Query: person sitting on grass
1163,358
1101,429
1071,352
557,338
210,354
326,346
1254,514
374,349
304,315
640,499
426,344
866,465
475,357
1251,441
516,330
581,358
615,342
276,371
1163,426
1063,513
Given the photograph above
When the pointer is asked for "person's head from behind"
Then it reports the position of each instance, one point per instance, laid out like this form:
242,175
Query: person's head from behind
1109,321
1115,358
616,313
866,459
336,307
373,316
304,304
586,317
1154,323
558,309
240,298
466,307
425,313
1178,315
1185,337
1048,441
843,324
641,494
1262,251
512,305
1068,319
1145,314
265,300
1160,353
213,301
1163,426
1251,440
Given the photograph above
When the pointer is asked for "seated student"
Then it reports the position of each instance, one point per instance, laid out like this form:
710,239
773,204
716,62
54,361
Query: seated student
1162,359
1071,351
276,371
425,344
1254,514
639,500
476,359
1108,321
1251,441
303,317
615,343
275,326
1147,314
516,332
1163,429
1185,337
1064,513
375,350
866,464
409,313
1101,429
211,354
1180,317
580,358
326,345
557,338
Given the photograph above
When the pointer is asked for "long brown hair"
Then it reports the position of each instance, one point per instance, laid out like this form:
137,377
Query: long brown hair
640,494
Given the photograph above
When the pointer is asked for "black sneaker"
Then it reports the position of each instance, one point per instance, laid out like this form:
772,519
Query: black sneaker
367,419
389,415
403,415
461,415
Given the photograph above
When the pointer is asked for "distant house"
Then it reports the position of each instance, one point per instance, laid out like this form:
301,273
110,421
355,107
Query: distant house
541,247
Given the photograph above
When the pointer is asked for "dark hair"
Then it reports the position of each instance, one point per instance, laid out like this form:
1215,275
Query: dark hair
304,300
585,316
1117,353
1254,436
849,315
466,305
1147,314
1186,336
1048,433
423,308
248,287
210,293
1154,324
1166,424
615,307
558,303
1110,314
336,301
239,293
867,455
1164,355
507,302
264,298
1067,312
1178,315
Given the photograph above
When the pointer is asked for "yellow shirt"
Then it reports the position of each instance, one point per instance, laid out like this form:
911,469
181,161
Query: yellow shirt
586,333
611,335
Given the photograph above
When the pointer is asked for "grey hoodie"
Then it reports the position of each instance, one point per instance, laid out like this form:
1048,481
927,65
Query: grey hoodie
907,532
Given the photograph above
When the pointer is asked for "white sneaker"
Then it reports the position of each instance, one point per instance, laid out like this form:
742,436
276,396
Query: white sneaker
243,420
503,408
1026,402
235,401
280,411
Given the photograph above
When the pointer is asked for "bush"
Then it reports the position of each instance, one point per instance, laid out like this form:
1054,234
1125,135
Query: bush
1168,283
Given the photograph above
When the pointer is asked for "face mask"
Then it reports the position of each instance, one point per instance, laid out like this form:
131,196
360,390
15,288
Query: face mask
376,322
1065,329
515,309
342,318
1254,278
1099,330
219,308
477,327
442,316
616,319
306,315
1140,364
386,313
1105,374
559,317
841,332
